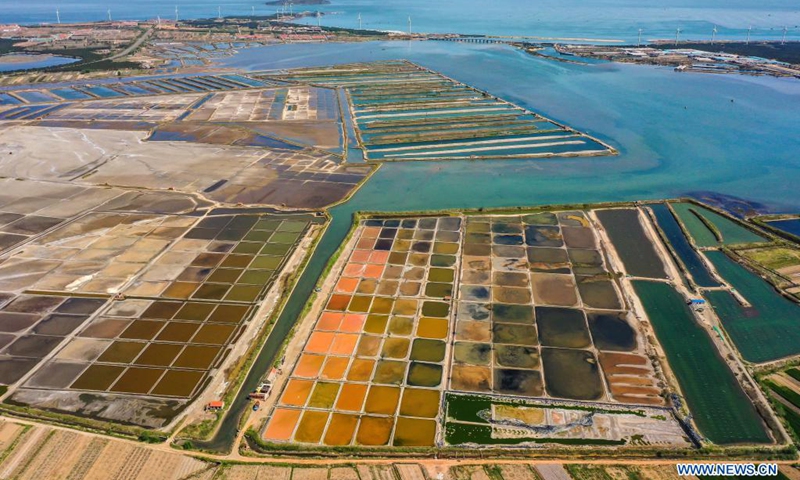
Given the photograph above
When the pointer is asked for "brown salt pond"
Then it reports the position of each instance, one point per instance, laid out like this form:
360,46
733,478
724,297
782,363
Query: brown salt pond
361,370
418,402
382,399
556,290
374,431
471,379
572,374
197,356
97,377
518,382
311,426
341,429
390,372
414,432
432,328
562,327
178,383
424,374
137,380
323,395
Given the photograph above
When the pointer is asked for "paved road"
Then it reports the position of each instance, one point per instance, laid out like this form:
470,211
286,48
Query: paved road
133,46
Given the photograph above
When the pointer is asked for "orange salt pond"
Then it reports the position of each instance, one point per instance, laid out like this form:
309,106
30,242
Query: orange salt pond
361,370
412,432
309,365
351,397
354,269
371,232
341,429
373,271
360,256
319,342
382,400
347,285
344,344
282,424
374,430
311,426
353,323
379,257
335,368
338,302
329,321
366,244
296,392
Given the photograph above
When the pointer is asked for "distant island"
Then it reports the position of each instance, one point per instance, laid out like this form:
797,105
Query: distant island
298,2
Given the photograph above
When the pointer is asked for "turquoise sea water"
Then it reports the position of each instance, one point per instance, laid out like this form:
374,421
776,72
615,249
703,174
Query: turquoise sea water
595,19
676,132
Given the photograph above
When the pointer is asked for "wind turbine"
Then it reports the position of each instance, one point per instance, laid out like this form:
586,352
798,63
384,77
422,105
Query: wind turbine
783,40
58,16
714,34
254,11
158,18
409,24
109,14
359,21
319,19
748,34
291,9
219,12
639,42
677,36
176,14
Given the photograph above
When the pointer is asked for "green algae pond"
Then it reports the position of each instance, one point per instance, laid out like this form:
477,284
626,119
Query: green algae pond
683,249
767,330
696,219
466,422
727,416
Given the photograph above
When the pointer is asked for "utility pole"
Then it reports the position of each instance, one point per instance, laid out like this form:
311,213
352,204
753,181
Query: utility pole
639,42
